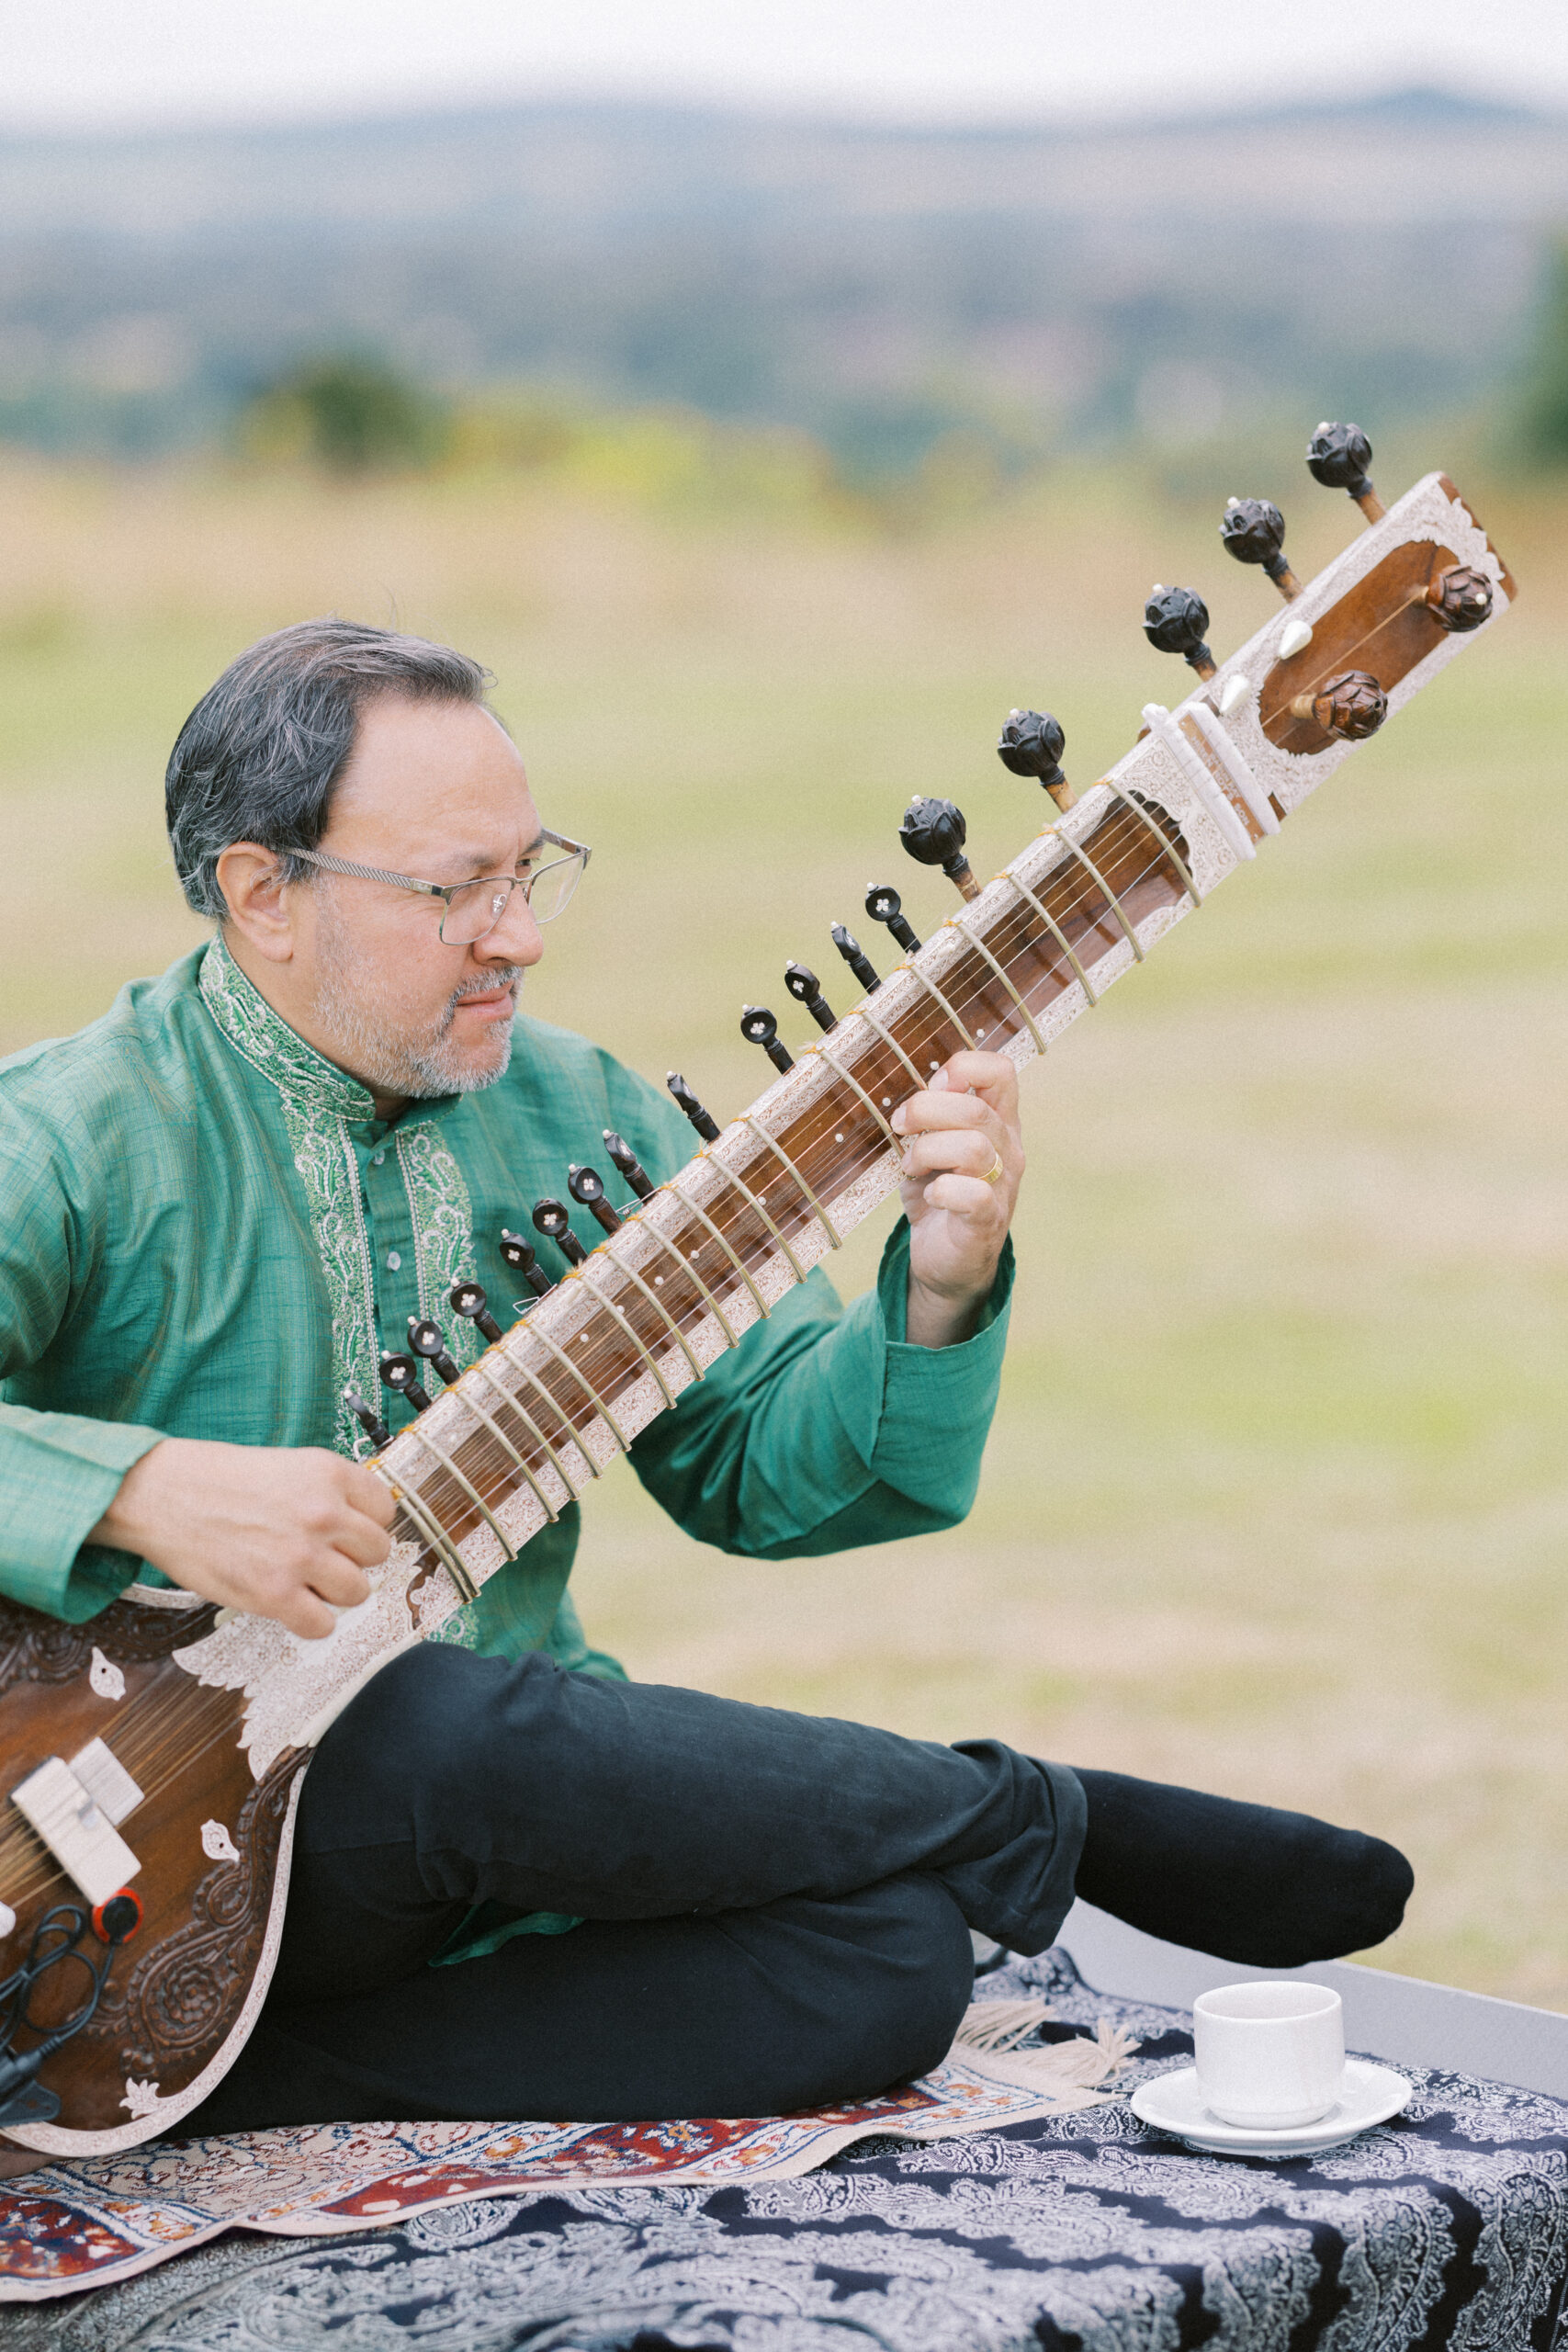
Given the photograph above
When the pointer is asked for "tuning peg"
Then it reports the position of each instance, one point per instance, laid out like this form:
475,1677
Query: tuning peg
521,1257
553,1219
401,1374
1175,620
427,1339
1253,530
628,1165
1337,457
759,1027
469,1300
807,988
1349,707
855,956
1032,743
1459,598
933,831
883,904
369,1419
703,1121
587,1187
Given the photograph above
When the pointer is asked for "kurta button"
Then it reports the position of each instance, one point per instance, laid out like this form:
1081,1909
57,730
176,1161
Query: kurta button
378,1158
394,1262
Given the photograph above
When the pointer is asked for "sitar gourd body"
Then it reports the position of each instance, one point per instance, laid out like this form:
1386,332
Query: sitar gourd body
210,1721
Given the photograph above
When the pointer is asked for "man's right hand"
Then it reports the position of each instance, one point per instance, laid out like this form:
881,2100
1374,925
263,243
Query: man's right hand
277,1532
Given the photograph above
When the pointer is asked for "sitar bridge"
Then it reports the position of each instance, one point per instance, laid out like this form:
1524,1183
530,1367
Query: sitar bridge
76,1809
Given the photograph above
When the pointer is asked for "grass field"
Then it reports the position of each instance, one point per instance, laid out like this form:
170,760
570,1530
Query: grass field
1276,1500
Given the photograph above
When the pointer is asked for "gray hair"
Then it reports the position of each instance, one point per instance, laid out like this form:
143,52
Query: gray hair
258,757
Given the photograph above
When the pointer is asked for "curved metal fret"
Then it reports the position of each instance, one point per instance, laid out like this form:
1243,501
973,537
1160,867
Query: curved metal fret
472,1492
975,942
747,1196
835,1239
583,1382
1168,848
559,1409
1054,928
503,1441
731,1337
931,989
1114,904
850,1080
530,1423
436,1535
739,1263
647,1353
893,1047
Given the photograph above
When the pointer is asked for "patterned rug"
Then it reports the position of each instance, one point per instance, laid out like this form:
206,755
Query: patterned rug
1077,2231
97,2221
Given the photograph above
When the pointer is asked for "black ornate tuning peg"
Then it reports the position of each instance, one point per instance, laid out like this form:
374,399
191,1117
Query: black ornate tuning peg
521,1257
1032,743
703,1121
628,1165
933,831
469,1300
427,1339
587,1187
807,988
1459,598
553,1219
759,1027
401,1374
1349,707
1175,620
1253,530
855,956
369,1419
1337,457
883,904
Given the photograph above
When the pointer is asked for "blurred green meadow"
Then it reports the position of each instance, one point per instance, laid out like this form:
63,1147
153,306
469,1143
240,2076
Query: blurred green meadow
1276,1499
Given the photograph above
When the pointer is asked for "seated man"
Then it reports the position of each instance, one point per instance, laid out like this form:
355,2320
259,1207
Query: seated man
522,1885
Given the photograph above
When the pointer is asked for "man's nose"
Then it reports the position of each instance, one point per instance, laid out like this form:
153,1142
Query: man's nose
516,938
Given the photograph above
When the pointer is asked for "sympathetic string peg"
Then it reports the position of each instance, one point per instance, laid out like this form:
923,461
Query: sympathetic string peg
855,956
933,831
401,1374
1032,743
807,988
1337,457
759,1027
553,1219
883,904
587,1187
523,1258
427,1339
627,1163
469,1300
1253,531
703,1121
1175,620
1459,598
369,1419
1349,707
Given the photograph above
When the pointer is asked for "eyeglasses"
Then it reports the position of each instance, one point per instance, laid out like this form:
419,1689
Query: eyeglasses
474,908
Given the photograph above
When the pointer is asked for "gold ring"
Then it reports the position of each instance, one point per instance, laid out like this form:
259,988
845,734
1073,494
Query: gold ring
995,1172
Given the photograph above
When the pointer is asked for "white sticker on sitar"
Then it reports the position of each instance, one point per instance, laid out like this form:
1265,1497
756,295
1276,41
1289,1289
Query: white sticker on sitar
106,1677
217,1844
8,1920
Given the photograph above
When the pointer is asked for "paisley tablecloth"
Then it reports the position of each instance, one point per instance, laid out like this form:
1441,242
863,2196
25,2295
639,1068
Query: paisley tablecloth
1077,2232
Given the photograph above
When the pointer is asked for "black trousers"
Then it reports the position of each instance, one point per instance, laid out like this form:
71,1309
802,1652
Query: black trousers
777,1906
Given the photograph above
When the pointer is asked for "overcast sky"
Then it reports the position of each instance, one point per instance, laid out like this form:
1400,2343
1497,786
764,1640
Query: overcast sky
69,63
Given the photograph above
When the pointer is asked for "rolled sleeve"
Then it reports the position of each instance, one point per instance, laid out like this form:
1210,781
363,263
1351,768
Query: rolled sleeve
59,1472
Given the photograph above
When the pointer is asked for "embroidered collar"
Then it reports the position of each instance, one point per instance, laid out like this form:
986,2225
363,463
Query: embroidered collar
268,1044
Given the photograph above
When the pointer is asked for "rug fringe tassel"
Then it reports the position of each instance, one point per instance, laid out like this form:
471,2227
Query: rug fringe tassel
1079,2065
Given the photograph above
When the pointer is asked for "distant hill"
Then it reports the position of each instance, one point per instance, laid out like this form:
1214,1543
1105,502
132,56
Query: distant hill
878,284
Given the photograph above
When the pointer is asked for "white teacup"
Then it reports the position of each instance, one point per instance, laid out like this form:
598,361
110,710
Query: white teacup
1269,2055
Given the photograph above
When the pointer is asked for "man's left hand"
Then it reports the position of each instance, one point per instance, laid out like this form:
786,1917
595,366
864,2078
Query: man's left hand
959,1129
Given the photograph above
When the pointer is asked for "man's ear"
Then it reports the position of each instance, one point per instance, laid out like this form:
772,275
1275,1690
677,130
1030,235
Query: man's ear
258,900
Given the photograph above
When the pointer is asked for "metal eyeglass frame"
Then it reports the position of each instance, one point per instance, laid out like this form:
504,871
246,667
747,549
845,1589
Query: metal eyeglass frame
448,890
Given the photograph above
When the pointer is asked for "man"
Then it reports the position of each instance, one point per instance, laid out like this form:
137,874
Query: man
521,1884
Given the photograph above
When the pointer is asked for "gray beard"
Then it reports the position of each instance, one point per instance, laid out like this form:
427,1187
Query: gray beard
415,1068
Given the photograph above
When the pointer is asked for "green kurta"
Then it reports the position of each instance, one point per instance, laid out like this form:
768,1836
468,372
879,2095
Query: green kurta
207,1232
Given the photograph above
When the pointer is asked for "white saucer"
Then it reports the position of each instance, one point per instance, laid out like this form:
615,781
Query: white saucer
1172,2103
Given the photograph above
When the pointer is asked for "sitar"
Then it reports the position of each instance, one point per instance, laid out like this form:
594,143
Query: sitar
152,1757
